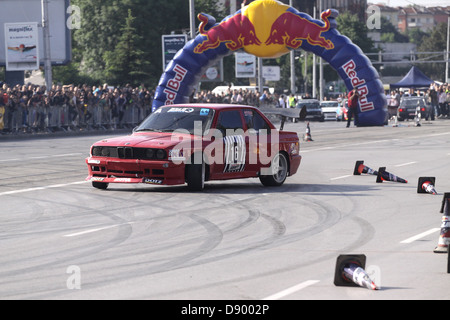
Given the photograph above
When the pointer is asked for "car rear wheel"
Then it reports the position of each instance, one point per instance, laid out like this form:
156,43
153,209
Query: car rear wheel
100,185
278,172
195,176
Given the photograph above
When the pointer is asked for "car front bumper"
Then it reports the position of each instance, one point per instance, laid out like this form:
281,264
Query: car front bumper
108,170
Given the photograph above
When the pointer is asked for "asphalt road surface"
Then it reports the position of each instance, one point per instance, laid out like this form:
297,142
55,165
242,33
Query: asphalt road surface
62,239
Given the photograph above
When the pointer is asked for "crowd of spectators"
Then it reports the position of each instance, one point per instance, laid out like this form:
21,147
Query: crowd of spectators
437,97
248,97
31,108
234,96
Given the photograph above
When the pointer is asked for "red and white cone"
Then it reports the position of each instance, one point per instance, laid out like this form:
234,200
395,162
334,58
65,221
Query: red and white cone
448,262
426,185
350,272
360,168
307,136
383,175
444,238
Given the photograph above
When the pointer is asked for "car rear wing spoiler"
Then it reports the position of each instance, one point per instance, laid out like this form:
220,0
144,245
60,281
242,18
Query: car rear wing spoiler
285,113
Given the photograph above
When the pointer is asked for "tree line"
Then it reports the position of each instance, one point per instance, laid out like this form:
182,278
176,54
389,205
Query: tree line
119,42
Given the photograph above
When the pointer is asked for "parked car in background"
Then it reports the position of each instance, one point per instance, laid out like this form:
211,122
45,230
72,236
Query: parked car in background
330,109
409,105
313,109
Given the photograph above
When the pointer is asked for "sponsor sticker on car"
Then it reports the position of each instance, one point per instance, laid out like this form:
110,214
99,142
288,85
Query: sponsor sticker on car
152,181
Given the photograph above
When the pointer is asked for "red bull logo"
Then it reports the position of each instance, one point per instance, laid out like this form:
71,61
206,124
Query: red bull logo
266,29
350,70
290,29
237,32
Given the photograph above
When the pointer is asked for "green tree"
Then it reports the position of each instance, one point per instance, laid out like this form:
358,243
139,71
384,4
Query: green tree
416,35
98,34
436,42
101,36
126,63
101,21
389,32
350,26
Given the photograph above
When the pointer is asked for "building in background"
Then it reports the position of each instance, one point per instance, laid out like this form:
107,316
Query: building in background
415,17
353,6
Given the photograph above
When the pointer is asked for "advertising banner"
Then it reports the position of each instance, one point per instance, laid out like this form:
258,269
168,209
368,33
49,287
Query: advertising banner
245,65
272,73
171,44
22,46
214,73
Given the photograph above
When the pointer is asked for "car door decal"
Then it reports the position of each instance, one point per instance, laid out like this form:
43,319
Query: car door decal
235,153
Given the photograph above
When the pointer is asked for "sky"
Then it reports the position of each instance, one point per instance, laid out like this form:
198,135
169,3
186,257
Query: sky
405,3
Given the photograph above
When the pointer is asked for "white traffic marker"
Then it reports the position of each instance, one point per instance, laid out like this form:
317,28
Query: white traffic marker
291,290
420,236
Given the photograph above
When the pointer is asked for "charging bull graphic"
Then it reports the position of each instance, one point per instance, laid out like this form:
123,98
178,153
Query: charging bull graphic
291,29
270,29
236,32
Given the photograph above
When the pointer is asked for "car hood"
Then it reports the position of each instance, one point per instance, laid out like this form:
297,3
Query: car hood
148,140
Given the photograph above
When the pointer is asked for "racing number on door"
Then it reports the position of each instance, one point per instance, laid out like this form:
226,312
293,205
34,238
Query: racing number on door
235,153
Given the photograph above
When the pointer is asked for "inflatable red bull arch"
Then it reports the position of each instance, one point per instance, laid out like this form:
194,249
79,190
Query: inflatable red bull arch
270,29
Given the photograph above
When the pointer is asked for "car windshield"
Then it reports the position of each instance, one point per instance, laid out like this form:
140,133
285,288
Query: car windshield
412,102
309,106
170,119
330,105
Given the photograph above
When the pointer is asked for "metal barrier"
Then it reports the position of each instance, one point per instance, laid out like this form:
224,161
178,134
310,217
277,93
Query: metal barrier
39,118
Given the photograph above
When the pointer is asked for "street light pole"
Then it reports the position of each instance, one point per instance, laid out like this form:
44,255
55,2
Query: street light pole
314,71
192,17
292,53
448,47
47,47
321,62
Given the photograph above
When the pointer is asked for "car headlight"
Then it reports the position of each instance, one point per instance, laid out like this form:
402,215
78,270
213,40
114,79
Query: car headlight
105,152
150,153
160,154
97,151
155,154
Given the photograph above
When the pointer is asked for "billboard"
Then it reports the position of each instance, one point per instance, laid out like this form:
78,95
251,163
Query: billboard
214,73
245,65
27,13
22,47
171,44
271,73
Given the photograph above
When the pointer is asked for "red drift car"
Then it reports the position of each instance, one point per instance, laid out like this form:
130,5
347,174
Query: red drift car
194,143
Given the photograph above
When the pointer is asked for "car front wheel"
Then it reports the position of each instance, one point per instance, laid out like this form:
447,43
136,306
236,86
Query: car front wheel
195,176
100,185
277,173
